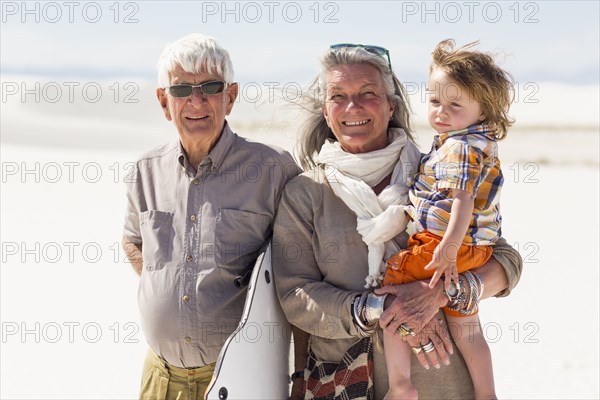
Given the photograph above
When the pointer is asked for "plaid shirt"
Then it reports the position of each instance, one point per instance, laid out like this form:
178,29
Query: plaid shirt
466,160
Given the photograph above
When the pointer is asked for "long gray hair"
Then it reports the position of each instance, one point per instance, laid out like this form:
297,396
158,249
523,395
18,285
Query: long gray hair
314,131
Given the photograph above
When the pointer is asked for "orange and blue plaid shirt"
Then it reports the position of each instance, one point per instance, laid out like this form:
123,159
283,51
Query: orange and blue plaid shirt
468,160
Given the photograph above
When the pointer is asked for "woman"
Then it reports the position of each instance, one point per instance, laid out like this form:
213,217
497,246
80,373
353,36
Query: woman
359,147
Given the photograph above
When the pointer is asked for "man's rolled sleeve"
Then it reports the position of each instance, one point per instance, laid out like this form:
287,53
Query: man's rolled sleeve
131,228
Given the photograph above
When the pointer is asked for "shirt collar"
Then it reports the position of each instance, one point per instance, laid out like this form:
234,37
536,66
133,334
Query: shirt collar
218,153
473,129
182,157
216,156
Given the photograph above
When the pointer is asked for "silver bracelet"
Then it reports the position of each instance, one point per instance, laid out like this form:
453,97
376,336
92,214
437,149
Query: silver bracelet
481,286
472,291
374,308
358,306
472,305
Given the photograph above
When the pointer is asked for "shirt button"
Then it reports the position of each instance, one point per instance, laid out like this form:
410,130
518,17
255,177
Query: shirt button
186,298
196,181
188,339
189,258
193,217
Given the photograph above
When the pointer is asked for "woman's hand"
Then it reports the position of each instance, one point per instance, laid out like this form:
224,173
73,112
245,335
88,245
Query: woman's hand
433,344
414,305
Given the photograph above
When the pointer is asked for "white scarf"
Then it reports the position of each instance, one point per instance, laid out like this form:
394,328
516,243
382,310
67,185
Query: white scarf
379,218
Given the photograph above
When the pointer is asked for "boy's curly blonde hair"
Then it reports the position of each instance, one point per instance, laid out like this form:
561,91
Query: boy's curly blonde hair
476,73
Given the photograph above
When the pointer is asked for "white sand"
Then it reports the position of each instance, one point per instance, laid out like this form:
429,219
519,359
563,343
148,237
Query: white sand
69,321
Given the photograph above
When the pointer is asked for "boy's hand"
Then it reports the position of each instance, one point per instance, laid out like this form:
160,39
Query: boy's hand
444,263
444,256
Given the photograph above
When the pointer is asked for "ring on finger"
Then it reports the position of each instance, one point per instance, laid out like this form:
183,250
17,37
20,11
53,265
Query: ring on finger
428,347
417,349
404,330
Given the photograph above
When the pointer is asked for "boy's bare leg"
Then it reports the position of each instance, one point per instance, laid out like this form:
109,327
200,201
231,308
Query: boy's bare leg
469,339
397,358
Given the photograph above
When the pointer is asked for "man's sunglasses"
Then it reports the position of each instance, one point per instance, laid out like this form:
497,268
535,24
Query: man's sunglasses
206,88
380,51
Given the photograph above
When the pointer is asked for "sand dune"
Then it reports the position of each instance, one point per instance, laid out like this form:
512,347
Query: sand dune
121,114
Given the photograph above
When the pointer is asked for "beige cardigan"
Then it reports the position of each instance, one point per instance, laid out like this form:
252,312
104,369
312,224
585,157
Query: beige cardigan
319,266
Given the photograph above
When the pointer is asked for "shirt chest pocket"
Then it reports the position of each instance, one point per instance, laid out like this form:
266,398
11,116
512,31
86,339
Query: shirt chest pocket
238,236
157,233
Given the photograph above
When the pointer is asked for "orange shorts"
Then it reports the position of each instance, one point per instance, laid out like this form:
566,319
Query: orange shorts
409,265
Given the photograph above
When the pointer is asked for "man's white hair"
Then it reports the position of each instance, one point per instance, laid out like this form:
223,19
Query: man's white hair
195,53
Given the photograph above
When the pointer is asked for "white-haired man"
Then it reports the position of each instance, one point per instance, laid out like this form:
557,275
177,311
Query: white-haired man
199,210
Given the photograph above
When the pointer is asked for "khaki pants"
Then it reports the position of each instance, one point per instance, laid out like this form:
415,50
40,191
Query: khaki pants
162,381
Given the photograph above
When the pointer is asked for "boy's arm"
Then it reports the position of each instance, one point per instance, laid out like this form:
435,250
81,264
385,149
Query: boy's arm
460,218
444,260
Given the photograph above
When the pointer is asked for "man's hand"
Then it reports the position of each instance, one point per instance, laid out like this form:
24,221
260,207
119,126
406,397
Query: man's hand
297,389
134,254
300,356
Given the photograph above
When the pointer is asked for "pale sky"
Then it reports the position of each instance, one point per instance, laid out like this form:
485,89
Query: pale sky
550,41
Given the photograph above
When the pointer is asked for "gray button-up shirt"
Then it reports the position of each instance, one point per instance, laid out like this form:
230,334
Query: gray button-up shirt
199,230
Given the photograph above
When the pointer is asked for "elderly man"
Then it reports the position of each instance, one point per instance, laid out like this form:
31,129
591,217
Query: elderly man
198,212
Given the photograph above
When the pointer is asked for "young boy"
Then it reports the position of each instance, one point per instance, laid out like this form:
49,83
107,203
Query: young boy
455,206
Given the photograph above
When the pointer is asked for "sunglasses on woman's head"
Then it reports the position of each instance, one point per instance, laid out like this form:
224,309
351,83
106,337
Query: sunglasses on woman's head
378,50
206,88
